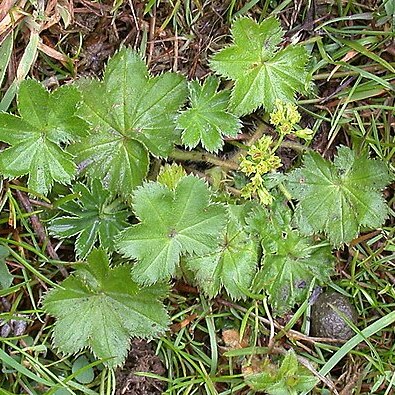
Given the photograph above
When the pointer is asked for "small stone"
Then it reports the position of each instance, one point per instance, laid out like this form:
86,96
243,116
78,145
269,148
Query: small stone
19,327
326,322
5,330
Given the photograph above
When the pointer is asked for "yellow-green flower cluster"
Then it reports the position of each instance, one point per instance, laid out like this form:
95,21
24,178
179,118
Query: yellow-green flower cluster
258,161
260,158
256,188
285,118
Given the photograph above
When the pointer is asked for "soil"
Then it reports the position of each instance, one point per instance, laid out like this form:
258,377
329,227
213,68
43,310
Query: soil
141,358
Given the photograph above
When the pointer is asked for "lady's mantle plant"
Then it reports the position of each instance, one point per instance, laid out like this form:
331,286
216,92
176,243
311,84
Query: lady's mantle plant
107,131
290,260
95,216
131,115
290,378
47,123
207,119
262,73
101,307
172,223
339,198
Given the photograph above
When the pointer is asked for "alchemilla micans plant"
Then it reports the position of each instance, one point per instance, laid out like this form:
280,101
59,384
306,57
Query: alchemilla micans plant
99,137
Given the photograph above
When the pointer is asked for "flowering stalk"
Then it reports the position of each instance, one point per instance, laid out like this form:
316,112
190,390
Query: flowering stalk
261,158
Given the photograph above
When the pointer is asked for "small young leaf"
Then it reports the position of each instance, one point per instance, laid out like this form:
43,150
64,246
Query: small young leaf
95,216
101,308
232,264
173,223
47,123
131,114
170,175
207,119
289,379
261,72
290,260
86,376
339,198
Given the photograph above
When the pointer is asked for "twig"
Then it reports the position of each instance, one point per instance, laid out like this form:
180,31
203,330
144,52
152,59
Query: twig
5,7
41,204
351,381
270,318
175,46
39,229
342,74
152,23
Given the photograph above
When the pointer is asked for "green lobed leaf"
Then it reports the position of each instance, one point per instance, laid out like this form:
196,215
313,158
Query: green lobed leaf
261,71
102,307
94,217
290,260
47,122
339,198
172,223
233,263
207,118
131,114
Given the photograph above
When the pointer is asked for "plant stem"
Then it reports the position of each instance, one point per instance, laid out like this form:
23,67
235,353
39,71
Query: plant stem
278,143
295,146
197,156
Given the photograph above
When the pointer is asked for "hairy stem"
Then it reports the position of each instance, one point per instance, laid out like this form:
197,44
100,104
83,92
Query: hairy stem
295,146
197,156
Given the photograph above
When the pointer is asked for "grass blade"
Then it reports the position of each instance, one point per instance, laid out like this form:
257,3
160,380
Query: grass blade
28,58
21,369
5,55
354,341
